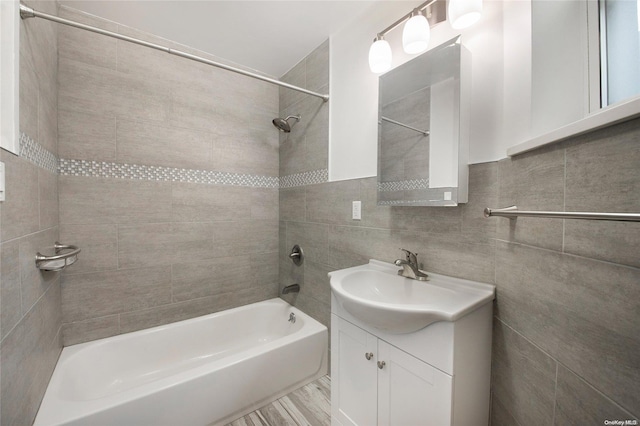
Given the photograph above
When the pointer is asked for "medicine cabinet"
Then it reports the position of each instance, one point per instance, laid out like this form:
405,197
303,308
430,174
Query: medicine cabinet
423,129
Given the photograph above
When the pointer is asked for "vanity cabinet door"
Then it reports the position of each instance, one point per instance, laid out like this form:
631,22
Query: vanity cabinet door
411,392
355,400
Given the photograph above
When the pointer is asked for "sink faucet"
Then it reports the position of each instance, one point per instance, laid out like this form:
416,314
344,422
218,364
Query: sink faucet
410,267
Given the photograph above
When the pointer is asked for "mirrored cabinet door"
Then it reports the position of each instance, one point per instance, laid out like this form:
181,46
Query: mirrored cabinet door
422,129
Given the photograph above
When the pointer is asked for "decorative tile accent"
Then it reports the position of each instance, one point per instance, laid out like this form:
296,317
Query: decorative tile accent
304,178
166,174
37,154
404,185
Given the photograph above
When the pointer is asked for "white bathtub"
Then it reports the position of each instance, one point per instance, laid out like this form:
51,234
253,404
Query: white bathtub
206,370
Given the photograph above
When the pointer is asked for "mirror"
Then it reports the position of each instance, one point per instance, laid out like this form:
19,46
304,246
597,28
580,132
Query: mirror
422,129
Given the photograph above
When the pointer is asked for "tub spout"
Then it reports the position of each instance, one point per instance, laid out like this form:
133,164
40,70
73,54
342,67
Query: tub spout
293,288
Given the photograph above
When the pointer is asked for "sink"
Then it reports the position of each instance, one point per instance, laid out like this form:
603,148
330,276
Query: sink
375,294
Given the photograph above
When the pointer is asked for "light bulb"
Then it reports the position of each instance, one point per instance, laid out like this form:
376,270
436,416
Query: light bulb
464,13
416,34
380,55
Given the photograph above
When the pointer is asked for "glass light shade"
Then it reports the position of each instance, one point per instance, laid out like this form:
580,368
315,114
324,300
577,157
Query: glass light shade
380,56
416,34
464,13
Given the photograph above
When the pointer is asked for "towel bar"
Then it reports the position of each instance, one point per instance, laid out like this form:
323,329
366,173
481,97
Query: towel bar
512,212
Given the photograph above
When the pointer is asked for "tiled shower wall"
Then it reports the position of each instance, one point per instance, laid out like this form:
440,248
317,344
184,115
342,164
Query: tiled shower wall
565,342
30,320
168,183
304,161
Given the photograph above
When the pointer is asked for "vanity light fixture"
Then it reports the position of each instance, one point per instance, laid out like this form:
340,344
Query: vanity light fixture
417,31
464,13
380,55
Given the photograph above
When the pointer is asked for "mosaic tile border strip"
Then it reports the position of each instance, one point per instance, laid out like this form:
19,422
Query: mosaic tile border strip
86,168
32,151
404,185
304,178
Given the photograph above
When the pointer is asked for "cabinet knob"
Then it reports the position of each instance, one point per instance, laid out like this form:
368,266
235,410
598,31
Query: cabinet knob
381,364
368,355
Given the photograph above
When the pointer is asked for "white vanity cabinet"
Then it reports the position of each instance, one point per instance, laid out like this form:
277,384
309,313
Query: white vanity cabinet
407,352
436,376
370,373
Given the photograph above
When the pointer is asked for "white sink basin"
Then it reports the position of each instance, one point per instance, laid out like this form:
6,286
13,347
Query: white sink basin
376,295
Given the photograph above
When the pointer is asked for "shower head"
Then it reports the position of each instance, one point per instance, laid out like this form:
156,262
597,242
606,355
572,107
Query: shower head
283,123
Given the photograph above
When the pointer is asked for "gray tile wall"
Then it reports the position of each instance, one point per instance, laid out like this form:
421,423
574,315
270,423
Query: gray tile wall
30,313
157,250
306,148
566,341
304,161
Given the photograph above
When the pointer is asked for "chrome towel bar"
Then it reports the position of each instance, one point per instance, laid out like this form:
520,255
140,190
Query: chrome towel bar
512,212
65,255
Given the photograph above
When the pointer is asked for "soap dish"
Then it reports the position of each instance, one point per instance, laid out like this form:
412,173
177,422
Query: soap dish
65,255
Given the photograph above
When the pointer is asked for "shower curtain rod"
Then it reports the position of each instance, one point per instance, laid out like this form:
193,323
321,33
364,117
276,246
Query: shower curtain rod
27,12
397,123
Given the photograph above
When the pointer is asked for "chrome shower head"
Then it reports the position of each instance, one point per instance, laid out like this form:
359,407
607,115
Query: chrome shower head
283,123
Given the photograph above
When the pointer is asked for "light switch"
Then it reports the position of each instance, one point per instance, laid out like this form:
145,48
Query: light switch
356,209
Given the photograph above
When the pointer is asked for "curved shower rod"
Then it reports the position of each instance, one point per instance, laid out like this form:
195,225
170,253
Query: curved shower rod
28,12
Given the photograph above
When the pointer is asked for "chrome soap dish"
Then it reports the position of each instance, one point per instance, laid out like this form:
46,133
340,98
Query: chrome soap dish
64,256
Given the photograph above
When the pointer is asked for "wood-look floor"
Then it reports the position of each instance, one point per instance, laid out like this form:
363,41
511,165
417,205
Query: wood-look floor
308,405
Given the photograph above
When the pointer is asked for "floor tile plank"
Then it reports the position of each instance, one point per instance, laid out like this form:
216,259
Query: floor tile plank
309,405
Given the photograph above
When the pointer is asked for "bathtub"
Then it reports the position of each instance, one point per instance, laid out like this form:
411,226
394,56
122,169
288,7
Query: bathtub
206,370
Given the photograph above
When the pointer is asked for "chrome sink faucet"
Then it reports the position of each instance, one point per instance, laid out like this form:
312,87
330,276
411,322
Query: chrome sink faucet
410,267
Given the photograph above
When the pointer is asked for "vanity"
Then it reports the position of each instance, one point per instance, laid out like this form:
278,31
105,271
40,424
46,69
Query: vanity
408,352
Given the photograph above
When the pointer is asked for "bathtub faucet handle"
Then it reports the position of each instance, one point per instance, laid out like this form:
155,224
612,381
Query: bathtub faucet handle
292,318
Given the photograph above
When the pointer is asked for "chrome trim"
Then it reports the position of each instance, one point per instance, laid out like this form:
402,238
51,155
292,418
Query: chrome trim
297,255
27,12
391,27
512,213
410,267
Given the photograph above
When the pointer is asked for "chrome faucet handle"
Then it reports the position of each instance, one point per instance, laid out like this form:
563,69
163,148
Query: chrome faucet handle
411,257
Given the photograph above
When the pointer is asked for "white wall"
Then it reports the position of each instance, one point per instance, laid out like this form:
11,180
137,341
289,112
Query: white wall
517,74
560,77
354,89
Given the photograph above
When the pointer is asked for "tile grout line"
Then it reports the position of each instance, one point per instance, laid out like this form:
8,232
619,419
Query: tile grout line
555,395
567,254
22,317
560,364
564,199
115,134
